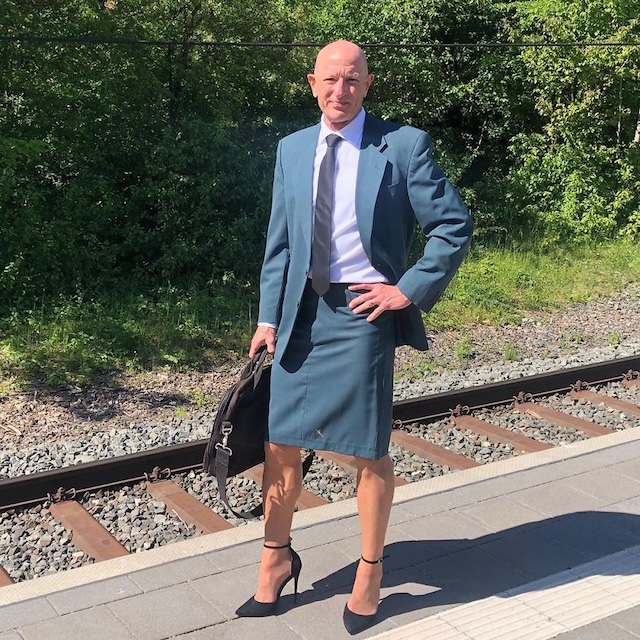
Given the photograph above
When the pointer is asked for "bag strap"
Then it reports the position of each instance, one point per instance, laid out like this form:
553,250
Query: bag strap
222,471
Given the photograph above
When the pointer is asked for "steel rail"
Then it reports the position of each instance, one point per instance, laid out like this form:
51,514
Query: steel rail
433,407
100,474
130,469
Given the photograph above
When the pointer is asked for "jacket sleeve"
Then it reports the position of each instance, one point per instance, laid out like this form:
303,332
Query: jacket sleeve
275,265
445,221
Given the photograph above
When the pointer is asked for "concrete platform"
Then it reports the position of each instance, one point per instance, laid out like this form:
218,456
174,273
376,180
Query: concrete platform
539,546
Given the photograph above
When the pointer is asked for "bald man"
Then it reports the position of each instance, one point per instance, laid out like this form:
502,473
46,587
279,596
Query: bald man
336,298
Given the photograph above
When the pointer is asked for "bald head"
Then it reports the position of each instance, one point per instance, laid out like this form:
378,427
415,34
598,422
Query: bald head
343,50
339,82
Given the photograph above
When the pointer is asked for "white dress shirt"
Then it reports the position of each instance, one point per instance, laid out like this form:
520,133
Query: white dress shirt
349,262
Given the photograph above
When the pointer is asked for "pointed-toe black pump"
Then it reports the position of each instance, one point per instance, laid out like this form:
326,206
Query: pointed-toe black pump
252,608
354,622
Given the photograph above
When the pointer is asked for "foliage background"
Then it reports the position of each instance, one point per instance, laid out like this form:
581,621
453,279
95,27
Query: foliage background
140,170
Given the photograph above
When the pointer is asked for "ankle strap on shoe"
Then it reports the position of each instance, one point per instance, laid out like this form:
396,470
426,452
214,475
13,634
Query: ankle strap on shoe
378,561
282,546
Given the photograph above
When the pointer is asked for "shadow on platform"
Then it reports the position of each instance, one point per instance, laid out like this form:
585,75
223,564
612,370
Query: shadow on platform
429,574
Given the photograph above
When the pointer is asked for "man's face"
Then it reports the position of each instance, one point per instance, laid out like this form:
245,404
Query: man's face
340,82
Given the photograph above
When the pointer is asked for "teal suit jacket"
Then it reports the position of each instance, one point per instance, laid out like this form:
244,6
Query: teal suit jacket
398,184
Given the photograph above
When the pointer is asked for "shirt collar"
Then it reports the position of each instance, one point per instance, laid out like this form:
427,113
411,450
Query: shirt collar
351,132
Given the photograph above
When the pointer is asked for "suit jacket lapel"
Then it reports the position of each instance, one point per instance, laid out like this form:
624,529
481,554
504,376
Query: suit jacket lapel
304,184
371,167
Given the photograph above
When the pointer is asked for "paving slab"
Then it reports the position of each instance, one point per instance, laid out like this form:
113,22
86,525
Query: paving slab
172,573
465,495
564,498
166,613
97,623
22,613
93,594
442,533
502,513
605,485
476,555
235,556
471,574
601,630
350,547
272,628
594,534
629,468
407,596
533,553
323,619
629,620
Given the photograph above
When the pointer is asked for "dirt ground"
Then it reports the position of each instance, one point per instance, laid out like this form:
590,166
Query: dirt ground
38,415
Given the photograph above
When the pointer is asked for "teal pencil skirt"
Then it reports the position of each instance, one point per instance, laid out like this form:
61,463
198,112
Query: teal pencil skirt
333,388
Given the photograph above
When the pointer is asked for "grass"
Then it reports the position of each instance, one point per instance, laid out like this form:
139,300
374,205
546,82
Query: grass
463,349
75,341
614,339
510,353
498,286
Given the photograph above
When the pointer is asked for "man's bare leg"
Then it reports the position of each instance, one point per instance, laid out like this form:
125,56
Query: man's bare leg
281,488
375,485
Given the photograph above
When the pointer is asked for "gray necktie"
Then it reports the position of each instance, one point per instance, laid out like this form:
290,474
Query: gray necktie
321,247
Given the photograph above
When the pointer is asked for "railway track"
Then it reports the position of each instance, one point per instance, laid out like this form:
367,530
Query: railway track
431,430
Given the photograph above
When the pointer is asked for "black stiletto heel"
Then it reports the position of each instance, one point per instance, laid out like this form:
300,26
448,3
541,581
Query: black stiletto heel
254,609
354,622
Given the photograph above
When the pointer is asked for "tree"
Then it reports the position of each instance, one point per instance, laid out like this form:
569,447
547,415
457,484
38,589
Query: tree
577,174
144,161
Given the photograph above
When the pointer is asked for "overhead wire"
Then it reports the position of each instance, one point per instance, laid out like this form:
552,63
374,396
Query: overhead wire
91,40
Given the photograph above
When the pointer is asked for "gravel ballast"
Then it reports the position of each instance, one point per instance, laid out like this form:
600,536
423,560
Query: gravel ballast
41,431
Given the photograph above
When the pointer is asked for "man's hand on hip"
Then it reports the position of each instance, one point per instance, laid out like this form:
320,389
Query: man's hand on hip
377,298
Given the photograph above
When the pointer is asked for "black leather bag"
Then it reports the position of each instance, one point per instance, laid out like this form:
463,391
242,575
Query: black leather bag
237,438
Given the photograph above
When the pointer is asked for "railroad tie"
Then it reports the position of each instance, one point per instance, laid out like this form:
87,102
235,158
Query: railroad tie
562,419
433,453
500,434
186,507
307,499
614,403
87,534
348,464
5,578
